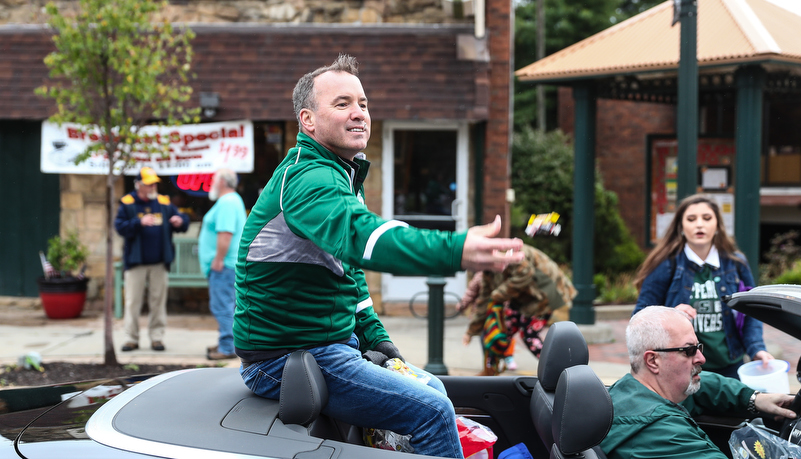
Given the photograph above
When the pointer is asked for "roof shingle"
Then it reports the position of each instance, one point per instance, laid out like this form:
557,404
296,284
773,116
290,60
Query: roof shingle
729,31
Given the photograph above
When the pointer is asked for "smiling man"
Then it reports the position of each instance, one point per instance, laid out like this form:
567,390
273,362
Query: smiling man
299,277
654,404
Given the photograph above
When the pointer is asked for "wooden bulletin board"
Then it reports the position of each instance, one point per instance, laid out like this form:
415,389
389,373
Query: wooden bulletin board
715,177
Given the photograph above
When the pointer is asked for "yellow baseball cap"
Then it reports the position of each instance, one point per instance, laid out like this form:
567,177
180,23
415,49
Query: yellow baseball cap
147,176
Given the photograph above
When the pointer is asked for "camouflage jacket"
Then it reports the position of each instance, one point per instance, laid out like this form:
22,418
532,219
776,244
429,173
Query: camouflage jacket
535,287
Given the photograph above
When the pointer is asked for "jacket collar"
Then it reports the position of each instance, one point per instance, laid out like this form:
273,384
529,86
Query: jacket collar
713,258
357,168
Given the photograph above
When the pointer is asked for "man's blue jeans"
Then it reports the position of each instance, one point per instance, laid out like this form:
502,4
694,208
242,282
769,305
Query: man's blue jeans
222,302
366,395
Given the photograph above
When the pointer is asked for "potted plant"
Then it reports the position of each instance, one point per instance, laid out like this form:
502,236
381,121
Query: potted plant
62,289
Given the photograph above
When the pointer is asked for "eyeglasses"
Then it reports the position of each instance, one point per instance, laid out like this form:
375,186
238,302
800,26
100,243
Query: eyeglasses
689,351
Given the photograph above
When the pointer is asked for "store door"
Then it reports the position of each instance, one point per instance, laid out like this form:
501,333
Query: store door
424,171
31,203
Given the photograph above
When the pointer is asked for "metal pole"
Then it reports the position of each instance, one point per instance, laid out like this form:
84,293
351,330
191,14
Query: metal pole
750,84
583,204
540,55
687,111
436,325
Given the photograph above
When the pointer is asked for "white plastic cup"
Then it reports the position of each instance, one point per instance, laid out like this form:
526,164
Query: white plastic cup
770,379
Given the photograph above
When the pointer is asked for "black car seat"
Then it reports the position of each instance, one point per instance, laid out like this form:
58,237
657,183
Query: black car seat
304,393
564,347
582,414
303,396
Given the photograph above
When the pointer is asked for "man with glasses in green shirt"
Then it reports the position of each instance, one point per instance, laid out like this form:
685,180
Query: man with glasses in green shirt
655,403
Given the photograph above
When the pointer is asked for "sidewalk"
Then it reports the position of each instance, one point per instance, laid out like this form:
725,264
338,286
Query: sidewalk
24,328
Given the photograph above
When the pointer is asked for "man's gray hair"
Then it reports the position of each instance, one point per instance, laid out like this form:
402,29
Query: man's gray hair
228,177
303,94
646,331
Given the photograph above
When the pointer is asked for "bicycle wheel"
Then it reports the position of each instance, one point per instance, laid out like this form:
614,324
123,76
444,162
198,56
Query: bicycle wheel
419,308
451,312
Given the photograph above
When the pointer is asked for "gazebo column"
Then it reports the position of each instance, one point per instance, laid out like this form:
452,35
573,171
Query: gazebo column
583,203
687,109
750,83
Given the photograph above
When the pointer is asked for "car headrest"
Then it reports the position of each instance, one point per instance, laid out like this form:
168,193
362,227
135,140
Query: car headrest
582,410
304,393
564,346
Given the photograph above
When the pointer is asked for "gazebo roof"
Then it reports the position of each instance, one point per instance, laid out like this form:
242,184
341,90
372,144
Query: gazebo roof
730,33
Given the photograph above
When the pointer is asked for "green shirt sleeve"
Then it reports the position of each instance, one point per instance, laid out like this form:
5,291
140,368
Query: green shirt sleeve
319,205
719,395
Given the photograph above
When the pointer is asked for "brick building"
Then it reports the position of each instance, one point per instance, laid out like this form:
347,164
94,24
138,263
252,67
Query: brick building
439,90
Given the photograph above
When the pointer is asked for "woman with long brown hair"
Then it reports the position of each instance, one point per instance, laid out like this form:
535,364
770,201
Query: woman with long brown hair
692,267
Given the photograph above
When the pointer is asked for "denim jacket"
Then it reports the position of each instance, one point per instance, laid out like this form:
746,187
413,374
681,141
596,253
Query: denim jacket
659,288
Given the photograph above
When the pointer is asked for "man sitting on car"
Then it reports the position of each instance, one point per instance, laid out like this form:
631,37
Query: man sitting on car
654,404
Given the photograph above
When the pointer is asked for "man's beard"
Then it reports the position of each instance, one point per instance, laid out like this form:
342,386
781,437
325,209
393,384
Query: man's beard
214,193
153,195
694,385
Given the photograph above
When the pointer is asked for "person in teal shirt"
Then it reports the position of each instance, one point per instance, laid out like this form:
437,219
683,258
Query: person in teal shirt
655,403
217,250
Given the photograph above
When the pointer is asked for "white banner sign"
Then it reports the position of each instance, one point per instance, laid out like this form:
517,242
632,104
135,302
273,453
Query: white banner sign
194,149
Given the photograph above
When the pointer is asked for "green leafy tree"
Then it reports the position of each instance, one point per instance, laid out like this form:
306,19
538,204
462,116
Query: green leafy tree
542,176
114,71
566,23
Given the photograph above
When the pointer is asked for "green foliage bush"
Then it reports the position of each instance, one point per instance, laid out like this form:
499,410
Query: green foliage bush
542,176
780,258
791,276
615,289
66,255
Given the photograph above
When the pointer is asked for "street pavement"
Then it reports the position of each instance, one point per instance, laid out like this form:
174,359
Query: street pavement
24,329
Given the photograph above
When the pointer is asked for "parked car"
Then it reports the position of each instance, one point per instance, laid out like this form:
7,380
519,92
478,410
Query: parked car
208,412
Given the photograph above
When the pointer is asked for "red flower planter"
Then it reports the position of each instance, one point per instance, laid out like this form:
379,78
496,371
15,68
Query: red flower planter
62,298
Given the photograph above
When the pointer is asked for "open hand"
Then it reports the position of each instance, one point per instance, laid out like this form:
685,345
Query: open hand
482,251
775,404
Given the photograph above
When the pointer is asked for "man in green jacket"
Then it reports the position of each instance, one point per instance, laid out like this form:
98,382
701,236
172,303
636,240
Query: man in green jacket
299,277
654,404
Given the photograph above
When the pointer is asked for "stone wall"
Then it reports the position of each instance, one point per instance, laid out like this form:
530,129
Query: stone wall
83,209
261,11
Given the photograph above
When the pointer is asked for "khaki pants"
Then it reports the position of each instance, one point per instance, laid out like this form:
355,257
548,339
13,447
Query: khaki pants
155,277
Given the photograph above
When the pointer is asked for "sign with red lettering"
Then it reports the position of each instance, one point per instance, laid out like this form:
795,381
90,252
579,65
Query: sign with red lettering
193,149
193,184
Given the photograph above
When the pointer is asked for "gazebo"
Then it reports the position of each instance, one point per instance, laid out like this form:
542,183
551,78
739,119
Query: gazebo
747,50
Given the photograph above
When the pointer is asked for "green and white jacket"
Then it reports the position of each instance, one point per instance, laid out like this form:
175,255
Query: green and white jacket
299,278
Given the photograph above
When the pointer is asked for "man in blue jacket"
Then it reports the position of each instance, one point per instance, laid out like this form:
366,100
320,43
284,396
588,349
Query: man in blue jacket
147,221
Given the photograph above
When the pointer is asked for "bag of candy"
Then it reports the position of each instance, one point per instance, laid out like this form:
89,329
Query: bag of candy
543,225
477,439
